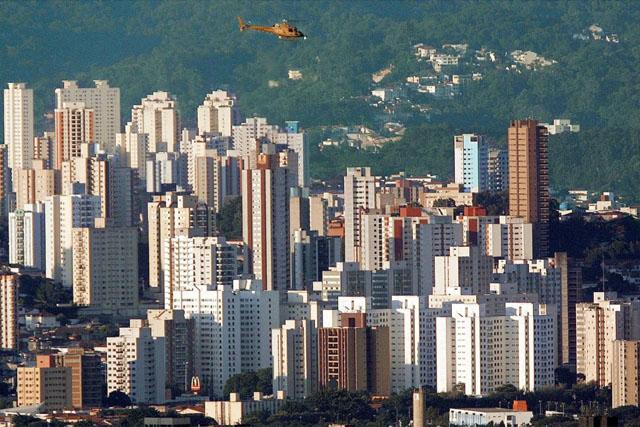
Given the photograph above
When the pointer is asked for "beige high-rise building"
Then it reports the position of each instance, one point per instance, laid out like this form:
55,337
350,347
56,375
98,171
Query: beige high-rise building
62,215
172,215
87,377
529,178
9,311
105,267
44,148
598,325
218,113
132,148
35,184
157,116
46,383
178,339
625,381
102,176
265,215
103,100
295,358
75,126
18,125
359,196
136,363
318,214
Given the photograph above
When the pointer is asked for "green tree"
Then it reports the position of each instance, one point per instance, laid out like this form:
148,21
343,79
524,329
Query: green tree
247,383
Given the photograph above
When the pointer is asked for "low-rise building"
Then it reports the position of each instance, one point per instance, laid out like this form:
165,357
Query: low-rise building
234,411
483,416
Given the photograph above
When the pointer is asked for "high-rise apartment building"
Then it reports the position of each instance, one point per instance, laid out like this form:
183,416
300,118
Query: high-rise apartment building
27,237
35,184
131,147
105,103
178,338
157,116
105,268
172,215
471,162
218,113
249,136
498,170
48,383
465,270
44,149
295,358
529,178
75,128
232,329
197,261
87,377
354,356
484,346
570,288
359,196
625,378
136,364
9,311
62,215
265,215
598,325
18,125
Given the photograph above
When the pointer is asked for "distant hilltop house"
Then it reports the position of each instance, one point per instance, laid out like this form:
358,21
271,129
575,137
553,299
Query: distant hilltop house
443,60
424,51
531,59
459,48
560,126
388,93
378,76
598,33
295,75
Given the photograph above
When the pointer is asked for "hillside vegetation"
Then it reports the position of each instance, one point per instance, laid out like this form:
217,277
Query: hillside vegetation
192,47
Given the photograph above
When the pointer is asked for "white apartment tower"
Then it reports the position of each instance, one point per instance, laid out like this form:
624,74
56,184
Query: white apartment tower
18,125
136,364
201,261
465,270
157,116
172,215
232,329
484,346
105,103
27,237
471,162
218,113
359,195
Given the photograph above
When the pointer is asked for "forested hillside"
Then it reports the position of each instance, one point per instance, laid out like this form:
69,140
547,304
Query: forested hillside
191,47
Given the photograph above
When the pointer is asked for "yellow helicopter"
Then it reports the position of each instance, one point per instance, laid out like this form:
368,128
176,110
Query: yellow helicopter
281,29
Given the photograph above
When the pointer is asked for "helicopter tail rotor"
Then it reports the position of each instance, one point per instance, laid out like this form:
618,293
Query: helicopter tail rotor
241,23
